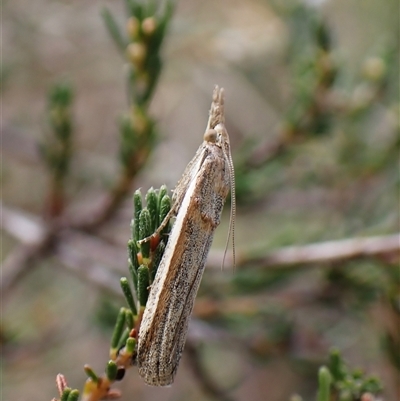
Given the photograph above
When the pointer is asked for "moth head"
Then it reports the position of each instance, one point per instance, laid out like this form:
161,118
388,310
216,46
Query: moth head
222,134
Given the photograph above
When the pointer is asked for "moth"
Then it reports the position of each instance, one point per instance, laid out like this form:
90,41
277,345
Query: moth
198,200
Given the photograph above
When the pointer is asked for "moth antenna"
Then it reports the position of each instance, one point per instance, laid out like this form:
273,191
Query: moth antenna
232,218
217,116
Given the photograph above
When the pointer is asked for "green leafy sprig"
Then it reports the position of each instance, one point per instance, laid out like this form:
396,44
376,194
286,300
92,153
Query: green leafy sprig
56,147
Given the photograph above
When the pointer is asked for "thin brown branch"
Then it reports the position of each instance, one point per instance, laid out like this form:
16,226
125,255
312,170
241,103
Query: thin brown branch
19,263
79,263
105,210
70,247
36,240
22,226
324,100
386,246
76,252
26,229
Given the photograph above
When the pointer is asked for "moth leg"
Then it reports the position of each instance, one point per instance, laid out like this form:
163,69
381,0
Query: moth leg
169,215
179,193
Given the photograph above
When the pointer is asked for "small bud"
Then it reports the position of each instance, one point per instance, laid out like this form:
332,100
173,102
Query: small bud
136,53
61,383
149,26
324,384
65,394
73,395
91,374
130,345
362,96
132,28
161,193
111,370
336,365
374,69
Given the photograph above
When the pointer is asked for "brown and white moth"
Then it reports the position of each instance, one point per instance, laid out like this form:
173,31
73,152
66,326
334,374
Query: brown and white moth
198,200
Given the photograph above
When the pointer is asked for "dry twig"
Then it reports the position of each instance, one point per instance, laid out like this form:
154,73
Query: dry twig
25,229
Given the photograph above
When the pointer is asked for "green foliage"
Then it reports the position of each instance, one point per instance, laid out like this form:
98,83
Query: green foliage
65,395
133,251
144,256
164,208
126,289
137,206
158,254
391,344
113,29
69,395
124,338
322,108
129,318
324,384
130,345
359,284
338,382
145,231
146,247
141,45
91,374
350,385
118,329
111,370
152,206
73,395
143,284
56,148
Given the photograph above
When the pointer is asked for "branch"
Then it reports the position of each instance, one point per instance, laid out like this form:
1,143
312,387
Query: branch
106,208
386,246
22,226
18,264
36,240
31,232
75,251
79,264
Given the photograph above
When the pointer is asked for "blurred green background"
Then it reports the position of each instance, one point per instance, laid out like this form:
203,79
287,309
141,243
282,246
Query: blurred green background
312,109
